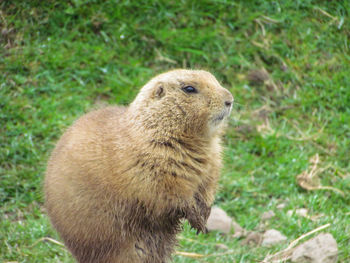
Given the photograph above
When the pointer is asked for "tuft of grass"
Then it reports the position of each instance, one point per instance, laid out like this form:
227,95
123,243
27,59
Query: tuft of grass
58,59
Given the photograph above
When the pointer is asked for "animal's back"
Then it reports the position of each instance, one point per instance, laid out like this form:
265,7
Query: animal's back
77,193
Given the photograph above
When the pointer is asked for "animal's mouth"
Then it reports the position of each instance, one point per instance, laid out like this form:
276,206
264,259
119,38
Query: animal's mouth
220,117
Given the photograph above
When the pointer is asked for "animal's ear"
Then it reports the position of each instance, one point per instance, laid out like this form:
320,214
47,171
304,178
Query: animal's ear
159,91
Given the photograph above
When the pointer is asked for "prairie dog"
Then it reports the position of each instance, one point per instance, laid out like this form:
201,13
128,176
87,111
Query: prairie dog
120,179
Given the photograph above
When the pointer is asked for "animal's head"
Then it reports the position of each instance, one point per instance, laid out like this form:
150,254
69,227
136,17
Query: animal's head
185,101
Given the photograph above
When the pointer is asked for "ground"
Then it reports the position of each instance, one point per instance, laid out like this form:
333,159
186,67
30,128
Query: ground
285,62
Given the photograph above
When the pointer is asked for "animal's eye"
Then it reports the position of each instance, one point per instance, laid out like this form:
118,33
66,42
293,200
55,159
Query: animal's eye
189,89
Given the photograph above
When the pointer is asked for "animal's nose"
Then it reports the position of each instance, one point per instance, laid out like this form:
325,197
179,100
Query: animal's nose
227,98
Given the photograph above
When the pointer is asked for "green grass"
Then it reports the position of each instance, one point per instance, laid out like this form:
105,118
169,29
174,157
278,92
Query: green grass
59,59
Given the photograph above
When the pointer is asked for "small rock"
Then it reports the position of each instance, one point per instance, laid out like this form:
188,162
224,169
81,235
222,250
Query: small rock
300,212
253,238
317,217
267,215
239,231
219,220
272,237
281,206
257,77
221,246
320,249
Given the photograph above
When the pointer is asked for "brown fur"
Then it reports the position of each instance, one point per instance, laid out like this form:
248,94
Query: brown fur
121,178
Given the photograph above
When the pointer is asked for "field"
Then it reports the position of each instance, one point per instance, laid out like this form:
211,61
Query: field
287,63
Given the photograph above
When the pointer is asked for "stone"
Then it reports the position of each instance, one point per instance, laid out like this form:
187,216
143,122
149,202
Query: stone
272,237
218,220
267,215
320,249
281,206
221,246
253,238
300,212
238,230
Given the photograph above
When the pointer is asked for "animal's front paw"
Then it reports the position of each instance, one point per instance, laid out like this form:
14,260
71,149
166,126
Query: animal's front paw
196,220
197,215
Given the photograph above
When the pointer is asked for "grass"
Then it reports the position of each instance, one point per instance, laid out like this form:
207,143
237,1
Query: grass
58,59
